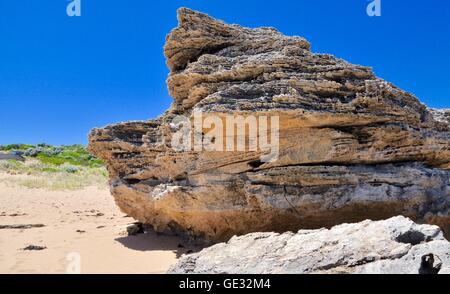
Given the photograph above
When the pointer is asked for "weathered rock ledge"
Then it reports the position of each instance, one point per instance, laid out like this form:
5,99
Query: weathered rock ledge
393,246
351,146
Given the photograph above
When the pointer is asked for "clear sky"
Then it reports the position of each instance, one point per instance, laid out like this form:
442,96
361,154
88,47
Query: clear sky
60,76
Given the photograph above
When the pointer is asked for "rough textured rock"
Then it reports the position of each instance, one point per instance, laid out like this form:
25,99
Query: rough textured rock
351,146
396,245
442,115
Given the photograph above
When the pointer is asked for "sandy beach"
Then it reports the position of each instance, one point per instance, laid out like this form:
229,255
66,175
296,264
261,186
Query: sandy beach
80,227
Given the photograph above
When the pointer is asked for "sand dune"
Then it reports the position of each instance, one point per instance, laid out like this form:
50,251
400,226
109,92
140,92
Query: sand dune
83,232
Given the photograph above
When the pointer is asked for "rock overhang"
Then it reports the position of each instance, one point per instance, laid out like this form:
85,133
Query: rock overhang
351,145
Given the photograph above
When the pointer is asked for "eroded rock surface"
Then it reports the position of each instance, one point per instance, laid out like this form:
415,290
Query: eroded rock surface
392,246
442,115
351,146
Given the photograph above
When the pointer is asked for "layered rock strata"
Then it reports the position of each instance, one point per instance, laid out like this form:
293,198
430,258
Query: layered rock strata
349,145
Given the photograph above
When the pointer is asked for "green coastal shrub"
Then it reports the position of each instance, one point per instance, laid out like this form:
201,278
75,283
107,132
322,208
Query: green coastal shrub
53,167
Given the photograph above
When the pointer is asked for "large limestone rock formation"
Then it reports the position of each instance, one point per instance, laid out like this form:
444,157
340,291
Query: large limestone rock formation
351,146
393,246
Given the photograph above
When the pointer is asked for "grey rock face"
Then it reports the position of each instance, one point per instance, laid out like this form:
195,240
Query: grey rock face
442,115
392,246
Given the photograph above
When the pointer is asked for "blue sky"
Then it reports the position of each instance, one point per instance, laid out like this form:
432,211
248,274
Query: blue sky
62,76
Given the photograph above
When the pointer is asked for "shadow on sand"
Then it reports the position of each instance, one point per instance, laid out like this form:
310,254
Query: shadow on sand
152,241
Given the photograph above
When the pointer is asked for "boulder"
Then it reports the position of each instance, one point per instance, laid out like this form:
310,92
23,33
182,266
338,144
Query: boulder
393,246
333,143
11,156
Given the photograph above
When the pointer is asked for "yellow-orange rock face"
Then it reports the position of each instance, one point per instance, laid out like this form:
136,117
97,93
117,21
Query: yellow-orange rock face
351,146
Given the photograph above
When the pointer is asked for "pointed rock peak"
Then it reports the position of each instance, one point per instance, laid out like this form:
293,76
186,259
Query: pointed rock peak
198,34
188,17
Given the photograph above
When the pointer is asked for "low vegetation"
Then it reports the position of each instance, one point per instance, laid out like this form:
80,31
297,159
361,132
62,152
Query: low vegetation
52,167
